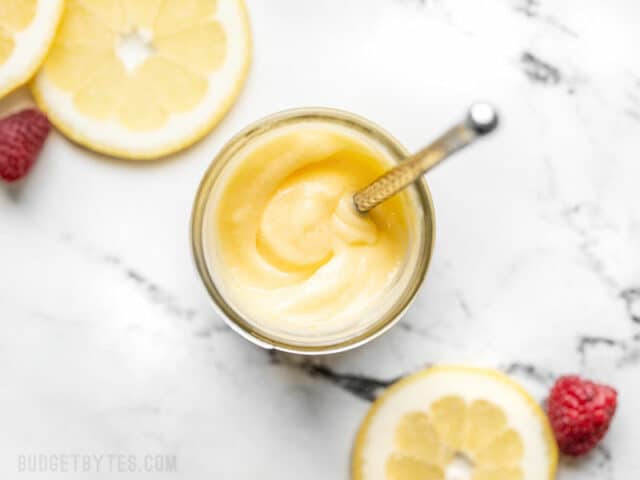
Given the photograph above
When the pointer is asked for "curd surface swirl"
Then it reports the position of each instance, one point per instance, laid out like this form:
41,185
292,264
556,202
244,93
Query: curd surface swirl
288,246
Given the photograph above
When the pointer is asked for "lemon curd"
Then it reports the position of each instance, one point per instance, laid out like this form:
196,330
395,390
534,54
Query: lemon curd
285,244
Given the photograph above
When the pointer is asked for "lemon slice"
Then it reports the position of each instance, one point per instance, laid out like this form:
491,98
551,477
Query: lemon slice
455,423
144,78
27,28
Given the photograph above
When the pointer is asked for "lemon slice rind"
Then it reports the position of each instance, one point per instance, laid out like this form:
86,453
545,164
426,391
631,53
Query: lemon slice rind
31,46
375,439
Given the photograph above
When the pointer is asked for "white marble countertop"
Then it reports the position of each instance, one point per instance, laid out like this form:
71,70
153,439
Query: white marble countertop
107,340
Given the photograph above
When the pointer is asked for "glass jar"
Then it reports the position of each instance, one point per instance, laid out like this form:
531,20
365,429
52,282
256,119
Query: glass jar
412,272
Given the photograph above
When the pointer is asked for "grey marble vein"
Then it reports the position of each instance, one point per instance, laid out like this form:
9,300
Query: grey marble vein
625,352
532,9
631,297
533,372
152,291
599,463
362,386
632,108
158,295
538,70
584,219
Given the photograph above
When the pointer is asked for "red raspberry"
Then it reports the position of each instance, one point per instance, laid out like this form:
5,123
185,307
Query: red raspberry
21,138
580,412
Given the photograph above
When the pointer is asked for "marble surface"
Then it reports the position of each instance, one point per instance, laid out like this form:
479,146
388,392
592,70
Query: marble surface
108,342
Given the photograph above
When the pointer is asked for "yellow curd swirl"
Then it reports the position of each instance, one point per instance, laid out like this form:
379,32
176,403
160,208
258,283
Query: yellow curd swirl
289,248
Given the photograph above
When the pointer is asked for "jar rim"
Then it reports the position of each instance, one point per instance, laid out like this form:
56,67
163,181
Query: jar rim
236,319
